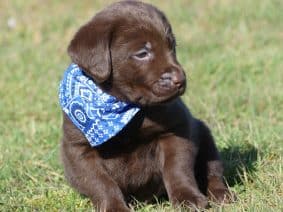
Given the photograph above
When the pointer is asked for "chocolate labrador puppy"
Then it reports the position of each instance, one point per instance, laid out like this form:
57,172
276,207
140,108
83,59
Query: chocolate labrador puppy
128,51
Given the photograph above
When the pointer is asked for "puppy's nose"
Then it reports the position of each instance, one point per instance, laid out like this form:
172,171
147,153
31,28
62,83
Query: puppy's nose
176,78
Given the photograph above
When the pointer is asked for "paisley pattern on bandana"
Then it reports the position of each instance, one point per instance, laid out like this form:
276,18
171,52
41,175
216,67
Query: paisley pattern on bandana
97,114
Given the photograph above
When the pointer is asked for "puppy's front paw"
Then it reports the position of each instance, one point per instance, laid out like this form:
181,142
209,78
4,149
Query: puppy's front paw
114,209
200,202
189,199
117,209
218,192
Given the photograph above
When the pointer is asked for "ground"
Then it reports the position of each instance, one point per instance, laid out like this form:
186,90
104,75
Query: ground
232,52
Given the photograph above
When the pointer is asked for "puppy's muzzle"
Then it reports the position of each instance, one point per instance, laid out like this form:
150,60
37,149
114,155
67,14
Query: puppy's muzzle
170,83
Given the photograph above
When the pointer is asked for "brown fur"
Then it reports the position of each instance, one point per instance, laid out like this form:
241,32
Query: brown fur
164,149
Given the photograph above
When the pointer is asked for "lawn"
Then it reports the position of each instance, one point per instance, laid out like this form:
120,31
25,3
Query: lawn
232,52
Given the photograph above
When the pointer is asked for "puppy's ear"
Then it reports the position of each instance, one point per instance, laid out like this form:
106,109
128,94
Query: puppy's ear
90,48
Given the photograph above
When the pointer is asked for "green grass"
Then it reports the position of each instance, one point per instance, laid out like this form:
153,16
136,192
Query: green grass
232,52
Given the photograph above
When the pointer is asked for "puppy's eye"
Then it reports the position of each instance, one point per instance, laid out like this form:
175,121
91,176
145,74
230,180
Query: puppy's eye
142,55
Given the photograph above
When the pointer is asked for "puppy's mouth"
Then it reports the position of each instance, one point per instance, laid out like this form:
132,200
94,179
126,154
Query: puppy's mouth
169,85
158,94
161,91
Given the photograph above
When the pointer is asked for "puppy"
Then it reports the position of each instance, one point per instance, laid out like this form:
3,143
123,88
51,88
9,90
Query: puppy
126,55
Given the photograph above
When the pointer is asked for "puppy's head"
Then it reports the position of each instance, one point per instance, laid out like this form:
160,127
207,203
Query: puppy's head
129,50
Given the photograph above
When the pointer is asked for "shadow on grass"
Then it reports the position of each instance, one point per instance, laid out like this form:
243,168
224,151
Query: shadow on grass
238,160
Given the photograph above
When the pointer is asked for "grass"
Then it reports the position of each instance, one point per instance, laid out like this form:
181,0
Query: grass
232,51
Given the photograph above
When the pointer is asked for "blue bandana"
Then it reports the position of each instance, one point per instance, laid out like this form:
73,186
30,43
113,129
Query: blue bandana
97,114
